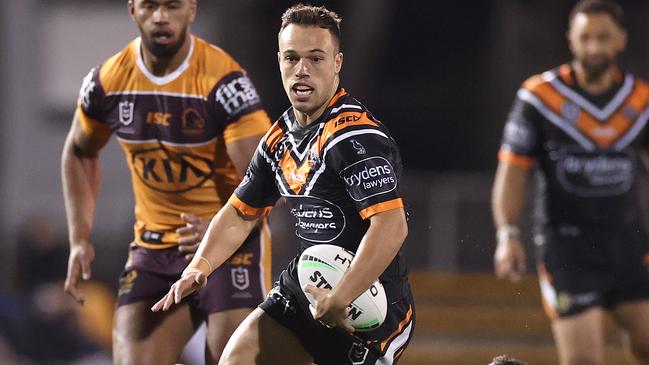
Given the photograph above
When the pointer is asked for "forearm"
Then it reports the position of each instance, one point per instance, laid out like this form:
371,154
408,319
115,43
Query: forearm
377,249
508,195
81,179
225,234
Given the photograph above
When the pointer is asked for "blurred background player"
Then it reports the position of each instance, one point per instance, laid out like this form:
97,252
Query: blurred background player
188,119
583,126
317,157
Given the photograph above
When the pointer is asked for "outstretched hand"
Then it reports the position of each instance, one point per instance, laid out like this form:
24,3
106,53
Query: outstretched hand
326,310
191,281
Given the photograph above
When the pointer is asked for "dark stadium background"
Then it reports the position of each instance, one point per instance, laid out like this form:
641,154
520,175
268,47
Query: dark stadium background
440,74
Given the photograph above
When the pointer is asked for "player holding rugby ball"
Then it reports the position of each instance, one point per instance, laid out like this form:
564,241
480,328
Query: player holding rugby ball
338,170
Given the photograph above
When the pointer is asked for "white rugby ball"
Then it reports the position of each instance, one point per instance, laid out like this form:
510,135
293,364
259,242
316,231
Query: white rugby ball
324,265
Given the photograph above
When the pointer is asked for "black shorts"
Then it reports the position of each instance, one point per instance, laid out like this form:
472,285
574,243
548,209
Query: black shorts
287,305
580,269
242,282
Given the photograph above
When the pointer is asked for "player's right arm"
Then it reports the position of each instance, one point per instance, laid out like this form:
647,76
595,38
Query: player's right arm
254,198
225,234
81,176
517,155
80,173
507,200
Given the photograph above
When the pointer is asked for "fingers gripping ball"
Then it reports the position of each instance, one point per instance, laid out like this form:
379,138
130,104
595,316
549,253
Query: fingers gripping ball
324,265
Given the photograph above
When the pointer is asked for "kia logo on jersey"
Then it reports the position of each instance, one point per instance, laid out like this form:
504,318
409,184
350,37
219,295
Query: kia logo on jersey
170,172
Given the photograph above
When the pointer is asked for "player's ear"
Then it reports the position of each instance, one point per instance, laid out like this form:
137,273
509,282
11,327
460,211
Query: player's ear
338,61
622,40
131,9
192,9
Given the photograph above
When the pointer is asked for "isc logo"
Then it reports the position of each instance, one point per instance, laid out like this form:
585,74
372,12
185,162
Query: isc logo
174,173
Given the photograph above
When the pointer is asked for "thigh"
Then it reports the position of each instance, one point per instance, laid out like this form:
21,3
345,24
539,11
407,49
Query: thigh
242,281
260,340
220,327
143,337
580,338
633,318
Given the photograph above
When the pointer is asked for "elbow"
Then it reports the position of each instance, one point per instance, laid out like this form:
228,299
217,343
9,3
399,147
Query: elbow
401,232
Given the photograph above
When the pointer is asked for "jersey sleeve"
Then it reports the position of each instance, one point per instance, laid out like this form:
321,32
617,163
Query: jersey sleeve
90,106
237,107
520,138
257,193
369,164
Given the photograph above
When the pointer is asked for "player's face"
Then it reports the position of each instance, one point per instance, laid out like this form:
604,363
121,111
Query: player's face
595,41
309,62
163,24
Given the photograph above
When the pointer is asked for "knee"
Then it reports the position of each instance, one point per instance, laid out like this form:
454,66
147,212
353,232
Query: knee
640,350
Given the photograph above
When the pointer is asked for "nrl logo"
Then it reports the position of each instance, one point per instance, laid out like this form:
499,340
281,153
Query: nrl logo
126,112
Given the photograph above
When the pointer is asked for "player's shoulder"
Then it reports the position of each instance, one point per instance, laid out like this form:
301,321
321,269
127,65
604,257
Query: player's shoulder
640,81
541,80
213,60
348,116
116,67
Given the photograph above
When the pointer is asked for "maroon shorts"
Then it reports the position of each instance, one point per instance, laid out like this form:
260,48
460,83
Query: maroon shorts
241,282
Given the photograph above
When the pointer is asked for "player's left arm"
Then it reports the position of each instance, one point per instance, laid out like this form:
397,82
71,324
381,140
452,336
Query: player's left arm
379,246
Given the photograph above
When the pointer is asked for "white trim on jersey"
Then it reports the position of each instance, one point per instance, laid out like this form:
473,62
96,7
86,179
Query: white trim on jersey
547,292
153,140
161,80
600,114
396,344
555,119
333,143
301,155
632,133
346,106
156,93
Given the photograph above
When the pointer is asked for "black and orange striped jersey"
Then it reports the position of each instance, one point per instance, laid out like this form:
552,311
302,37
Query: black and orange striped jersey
587,147
174,131
334,174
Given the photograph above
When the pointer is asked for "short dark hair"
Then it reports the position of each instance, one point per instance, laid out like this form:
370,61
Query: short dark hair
317,16
506,360
598,6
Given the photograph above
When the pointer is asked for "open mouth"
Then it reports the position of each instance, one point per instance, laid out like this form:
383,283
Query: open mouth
302,90
162,36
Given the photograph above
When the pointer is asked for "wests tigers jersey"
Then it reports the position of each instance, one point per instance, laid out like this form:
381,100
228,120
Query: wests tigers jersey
587,148
173,130
334,174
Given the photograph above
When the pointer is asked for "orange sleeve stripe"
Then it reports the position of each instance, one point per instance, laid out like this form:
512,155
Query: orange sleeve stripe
254,124
247,209
516,160
93,127
381,207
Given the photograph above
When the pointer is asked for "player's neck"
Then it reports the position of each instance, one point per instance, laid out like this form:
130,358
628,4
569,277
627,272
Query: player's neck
162,66
591,85
304,118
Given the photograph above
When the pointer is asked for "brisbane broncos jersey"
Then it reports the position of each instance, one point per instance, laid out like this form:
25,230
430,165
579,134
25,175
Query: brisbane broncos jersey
587,147
334,174
173,130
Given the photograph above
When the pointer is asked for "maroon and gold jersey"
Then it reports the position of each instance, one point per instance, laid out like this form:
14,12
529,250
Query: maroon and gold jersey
587,147
173,130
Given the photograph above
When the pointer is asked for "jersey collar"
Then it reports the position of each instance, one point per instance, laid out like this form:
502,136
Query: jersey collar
161,80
